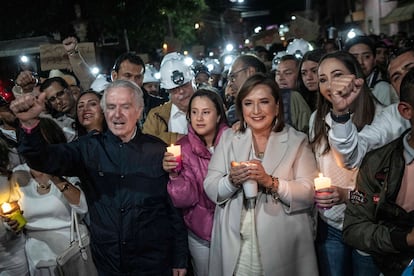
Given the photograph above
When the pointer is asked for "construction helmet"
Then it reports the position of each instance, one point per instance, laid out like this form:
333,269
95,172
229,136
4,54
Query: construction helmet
298,47
213,66
174,72
100,83
276,59
151,74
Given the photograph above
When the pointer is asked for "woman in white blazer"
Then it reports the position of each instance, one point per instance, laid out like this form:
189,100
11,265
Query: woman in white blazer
270,233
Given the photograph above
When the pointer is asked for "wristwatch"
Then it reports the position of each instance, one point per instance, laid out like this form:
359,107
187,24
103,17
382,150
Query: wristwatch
343,118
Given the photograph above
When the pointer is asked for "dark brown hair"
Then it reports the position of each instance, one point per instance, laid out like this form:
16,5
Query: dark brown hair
363,108
215,98
51,131
245,90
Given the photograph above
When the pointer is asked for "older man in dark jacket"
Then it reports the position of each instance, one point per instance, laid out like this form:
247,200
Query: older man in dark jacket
134,228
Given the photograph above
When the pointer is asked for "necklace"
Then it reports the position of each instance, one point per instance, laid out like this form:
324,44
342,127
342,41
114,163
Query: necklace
260,155
257,153
43,186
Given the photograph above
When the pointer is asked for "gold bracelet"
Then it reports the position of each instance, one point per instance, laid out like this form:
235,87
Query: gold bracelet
270,190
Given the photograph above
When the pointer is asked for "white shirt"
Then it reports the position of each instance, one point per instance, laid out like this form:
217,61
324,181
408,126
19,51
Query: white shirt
352,146
48,220
340,177
384,93
178,121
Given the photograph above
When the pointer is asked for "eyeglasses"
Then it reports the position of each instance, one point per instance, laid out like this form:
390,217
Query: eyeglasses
232,77
58,95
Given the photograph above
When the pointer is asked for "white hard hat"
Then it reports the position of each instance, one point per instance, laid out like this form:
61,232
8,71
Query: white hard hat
213,66
174,72
298,47
100,83
151,74
276,59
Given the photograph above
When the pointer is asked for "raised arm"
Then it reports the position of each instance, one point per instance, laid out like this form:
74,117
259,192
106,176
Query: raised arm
54,159
350,147
79,66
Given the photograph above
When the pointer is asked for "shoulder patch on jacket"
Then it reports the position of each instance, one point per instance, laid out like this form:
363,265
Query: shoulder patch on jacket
357,197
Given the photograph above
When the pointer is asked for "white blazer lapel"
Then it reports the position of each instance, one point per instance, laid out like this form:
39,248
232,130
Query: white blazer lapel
241,145
276,149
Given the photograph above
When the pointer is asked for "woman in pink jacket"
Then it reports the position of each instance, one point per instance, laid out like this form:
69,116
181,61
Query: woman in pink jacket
207,122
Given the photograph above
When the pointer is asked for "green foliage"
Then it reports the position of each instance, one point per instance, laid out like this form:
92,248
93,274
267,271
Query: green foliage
146,22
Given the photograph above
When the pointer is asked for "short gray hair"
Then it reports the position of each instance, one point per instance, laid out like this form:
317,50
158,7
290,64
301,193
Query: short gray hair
139,95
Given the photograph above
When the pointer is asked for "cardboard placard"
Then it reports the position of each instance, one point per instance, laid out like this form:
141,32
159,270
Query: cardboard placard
53,56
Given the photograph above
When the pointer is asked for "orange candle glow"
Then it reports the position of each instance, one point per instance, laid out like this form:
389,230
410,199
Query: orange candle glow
322,182
12,211
174,149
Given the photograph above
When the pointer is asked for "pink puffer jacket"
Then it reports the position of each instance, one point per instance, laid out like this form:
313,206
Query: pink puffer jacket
187,191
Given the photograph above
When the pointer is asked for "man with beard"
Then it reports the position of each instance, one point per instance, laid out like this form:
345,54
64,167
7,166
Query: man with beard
60,104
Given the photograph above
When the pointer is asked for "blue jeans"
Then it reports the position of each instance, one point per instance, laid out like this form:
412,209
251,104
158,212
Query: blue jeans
335,258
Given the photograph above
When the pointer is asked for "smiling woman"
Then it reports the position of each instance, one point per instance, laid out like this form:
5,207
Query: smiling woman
338,72
252,235
89,113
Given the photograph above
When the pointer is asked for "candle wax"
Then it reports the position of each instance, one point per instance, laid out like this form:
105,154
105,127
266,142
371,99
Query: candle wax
322,182
176,151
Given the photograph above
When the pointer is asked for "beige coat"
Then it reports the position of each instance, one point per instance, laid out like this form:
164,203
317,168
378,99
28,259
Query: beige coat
284,228
156,123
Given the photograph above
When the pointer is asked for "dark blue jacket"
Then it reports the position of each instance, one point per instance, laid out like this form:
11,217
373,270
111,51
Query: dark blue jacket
134,228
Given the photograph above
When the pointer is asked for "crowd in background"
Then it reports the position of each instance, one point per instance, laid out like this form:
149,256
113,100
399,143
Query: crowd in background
240,199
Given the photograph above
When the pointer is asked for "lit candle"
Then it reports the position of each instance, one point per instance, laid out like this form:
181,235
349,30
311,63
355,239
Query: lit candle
13,213
322,182
176,151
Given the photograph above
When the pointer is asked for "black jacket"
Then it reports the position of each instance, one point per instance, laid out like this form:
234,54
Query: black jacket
134,228
373,222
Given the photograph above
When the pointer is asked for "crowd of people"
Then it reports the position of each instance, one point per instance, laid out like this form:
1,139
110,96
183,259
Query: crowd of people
240,197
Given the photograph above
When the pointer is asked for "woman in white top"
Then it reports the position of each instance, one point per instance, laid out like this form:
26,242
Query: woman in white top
12,255
47,202
334,256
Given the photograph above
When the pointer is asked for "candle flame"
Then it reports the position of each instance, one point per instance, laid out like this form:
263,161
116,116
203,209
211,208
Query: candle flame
320,174
6,207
